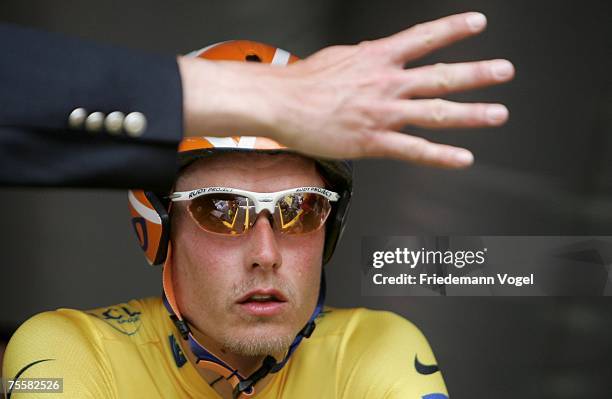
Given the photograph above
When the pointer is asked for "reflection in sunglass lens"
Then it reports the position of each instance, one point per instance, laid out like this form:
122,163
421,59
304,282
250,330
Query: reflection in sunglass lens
221,213
301,212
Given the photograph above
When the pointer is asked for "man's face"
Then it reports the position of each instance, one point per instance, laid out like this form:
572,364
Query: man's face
213,273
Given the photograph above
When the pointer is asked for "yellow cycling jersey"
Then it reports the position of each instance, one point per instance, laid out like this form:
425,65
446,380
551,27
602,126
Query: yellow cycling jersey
131,350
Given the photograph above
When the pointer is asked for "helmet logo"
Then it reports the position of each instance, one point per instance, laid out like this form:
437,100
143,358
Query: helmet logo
140,228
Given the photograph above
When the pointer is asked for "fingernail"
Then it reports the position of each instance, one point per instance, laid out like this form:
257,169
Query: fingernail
502,69
476,21
497,113
464,157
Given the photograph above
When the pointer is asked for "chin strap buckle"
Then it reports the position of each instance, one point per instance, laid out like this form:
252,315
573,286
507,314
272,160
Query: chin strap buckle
181,326
247,385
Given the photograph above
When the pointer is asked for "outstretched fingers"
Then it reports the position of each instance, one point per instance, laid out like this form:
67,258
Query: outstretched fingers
438,114
424,38
440,79
418,150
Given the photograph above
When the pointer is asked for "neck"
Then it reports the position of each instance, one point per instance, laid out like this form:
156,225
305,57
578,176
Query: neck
245,365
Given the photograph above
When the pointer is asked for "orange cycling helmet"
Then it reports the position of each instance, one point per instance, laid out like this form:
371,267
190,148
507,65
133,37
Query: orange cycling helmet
149,213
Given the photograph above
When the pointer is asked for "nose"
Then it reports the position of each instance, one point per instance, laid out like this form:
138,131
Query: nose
264,252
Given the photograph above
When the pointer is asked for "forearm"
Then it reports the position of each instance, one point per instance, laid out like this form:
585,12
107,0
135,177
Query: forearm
222,98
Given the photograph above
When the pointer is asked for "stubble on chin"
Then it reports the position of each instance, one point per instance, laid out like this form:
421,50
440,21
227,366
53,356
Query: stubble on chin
257,344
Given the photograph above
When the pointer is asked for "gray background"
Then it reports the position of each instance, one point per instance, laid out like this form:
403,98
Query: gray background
548,171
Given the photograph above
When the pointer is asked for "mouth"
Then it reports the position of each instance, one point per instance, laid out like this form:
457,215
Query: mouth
261,296
263,302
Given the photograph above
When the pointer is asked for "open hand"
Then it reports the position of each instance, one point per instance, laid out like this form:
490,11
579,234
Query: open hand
350,101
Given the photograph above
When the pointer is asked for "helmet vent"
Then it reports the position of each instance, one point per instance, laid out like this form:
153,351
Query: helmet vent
252,58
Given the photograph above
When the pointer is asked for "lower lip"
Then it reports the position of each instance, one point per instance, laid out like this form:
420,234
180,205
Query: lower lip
271,308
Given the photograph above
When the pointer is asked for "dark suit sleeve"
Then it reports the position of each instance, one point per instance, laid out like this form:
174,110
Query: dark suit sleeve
45,76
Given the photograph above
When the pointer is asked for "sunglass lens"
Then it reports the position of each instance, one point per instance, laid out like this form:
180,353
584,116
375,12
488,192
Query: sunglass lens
301,213
221,213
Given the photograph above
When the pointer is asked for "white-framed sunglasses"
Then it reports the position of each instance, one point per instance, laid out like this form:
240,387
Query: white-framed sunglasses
232,211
